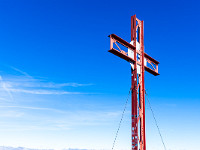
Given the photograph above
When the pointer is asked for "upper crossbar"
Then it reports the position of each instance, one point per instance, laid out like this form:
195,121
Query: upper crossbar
114,38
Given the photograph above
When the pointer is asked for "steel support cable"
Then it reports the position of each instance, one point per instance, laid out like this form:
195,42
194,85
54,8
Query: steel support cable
155,121
121,118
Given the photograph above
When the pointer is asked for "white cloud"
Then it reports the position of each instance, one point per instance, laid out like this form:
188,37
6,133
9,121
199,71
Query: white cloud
58,120
20,71
11,114
24,148
27,84
30,85
42,92
4,86
40,83
33,108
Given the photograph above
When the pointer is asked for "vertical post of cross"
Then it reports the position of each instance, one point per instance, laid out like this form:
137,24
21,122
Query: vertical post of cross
142,89
138,90
134,114
140,62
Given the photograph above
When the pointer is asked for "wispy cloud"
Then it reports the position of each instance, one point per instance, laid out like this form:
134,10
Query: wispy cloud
59,120
20,71
79,115
11,114
23,86
3,84
43,92
34,108
25,148
41,84
2,99
30,85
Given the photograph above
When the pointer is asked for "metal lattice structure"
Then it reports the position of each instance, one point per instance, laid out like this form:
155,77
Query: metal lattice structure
140,62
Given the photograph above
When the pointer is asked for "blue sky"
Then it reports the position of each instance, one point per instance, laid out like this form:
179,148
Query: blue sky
60,88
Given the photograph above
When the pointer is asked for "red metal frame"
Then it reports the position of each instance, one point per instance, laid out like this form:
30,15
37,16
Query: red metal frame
138,88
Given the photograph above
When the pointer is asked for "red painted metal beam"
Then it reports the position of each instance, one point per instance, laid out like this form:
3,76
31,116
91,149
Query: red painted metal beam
150,58
129,59
121,41
142,90
151,71
121,55
134,113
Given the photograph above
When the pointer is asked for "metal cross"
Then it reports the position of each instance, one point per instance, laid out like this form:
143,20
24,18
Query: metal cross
140,62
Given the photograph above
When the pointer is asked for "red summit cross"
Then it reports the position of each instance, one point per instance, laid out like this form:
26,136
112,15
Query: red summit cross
140,62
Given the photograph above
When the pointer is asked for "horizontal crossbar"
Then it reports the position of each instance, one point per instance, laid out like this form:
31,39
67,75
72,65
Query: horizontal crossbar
121,55
121,41
128,45
129,59
114,38
151,71
150,58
